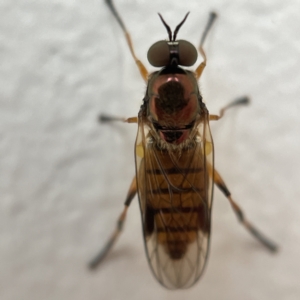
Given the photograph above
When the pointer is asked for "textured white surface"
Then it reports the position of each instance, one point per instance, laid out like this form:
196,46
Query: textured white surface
64,177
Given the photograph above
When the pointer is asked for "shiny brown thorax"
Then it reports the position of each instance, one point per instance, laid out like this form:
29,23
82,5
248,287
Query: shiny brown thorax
173,102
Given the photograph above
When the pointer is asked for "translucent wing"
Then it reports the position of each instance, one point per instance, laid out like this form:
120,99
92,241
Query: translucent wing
175,193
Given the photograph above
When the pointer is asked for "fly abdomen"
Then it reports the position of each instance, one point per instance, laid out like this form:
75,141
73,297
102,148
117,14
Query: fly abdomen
176,249
174,170
177,228
177,214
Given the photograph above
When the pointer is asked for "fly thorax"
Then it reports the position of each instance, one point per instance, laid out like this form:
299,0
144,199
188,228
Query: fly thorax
173,107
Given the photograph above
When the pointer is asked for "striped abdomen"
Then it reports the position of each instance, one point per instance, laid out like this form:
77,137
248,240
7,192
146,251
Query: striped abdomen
176,205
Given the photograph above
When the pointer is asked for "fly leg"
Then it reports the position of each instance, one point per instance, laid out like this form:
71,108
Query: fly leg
239,101
200,68
270,245
106,118
120,223
142,69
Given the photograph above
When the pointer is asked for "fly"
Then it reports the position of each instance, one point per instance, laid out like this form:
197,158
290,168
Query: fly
174,157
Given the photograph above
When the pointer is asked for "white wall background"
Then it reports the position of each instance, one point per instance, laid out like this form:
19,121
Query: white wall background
63,177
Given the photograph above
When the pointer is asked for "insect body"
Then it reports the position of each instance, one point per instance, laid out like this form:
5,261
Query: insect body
174,163
173,151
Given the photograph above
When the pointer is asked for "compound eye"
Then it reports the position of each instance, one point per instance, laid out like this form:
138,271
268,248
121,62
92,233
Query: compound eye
187,53
159,54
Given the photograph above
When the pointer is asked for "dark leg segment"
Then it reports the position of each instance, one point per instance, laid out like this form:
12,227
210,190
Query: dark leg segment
239,101
240,215
106,118
120,223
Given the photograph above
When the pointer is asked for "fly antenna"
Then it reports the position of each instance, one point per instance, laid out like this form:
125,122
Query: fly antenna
167,27
178,27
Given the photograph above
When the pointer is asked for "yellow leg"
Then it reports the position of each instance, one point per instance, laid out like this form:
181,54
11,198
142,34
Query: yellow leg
271,246
142,69
120,223
210,22
239,101
201,67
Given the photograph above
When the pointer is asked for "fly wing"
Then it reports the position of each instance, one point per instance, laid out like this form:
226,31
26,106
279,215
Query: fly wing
175,196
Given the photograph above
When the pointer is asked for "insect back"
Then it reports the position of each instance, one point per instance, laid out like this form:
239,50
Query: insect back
174,102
